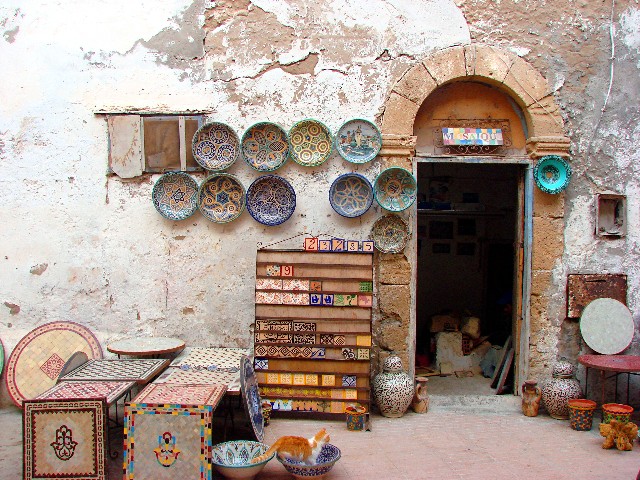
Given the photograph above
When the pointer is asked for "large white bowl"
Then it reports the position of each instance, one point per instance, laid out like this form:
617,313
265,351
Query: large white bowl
329,455
233,459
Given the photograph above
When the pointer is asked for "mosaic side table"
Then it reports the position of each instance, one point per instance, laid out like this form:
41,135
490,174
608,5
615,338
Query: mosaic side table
141,371
169,427
143,347
37,360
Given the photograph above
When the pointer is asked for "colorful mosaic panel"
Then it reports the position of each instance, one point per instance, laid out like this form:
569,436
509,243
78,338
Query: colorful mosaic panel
65,439
221,358
295,284
276,325
268,284
171,441
348,380
136,370
110,391
179,376
181,394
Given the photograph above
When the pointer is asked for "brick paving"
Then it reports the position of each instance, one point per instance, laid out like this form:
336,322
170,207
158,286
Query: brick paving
441,444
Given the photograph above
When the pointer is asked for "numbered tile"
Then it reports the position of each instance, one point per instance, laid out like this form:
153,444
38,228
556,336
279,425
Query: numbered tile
324,245
353,246
311,244
338,245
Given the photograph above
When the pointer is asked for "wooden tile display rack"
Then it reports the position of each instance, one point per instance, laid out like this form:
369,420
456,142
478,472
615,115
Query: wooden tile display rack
312,338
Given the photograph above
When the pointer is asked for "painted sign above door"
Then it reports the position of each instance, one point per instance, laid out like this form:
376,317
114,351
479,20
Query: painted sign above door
472,136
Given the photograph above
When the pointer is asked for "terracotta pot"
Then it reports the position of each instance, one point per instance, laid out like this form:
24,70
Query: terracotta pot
581,413
531,395
420,402
616,411
356,417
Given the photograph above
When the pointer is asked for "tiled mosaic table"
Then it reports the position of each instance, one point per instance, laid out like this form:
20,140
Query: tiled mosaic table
65,439
136,370
38,358
169,427
111,391
142,347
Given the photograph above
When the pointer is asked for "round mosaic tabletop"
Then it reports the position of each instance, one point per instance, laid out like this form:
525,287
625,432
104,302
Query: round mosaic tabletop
175,195
37,360
310,143
215,146
607,326
251,397
221,198
265,147
141,347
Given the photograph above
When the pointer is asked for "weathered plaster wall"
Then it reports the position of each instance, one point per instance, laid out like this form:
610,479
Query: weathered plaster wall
78,244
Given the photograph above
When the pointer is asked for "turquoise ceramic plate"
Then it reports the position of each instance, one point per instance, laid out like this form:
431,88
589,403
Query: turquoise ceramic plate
215,146
221,198
395,189
265,147
351,195
358,141
310,143
552,174
175,195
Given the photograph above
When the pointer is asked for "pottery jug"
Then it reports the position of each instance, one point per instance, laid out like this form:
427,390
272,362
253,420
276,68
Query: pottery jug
420,402
557,392
393,388
531,395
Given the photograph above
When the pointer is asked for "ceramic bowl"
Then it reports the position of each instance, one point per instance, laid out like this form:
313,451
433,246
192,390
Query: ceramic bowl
215,146
233,459
271,200
351,195
358,141
265,146
221,198
329,455
175,195
395,189
552,174
310,143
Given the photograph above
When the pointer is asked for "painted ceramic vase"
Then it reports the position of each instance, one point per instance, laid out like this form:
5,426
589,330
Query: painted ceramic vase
420,402
531,396
581,413
393,388
557,392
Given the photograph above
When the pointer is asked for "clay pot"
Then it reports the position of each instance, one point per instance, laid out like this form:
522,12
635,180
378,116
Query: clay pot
420,402
581,413
356,417
393,388
557,392
531,395
616,411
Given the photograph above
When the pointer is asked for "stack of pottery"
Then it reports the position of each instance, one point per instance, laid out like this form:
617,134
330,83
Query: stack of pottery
393,389
557,392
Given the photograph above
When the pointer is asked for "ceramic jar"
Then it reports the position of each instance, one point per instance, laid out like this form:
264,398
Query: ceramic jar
393,388
531,395
557,392
420,402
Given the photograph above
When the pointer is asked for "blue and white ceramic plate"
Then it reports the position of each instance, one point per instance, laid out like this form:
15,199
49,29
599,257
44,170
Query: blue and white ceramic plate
327,458
310,143
351,195
221,198
395,189
358,141
175,195
251,397
265,147
552,174
271,200
215,146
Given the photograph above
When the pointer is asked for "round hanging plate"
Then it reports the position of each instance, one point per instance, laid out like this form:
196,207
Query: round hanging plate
395,189
552,174
265,147
271,200
310,143
175,195
215,146
37,360
607,326
358,141
351,195
390,234
1,357
251,397
221,198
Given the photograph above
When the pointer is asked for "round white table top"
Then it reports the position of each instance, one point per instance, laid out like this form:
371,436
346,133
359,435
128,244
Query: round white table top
146,346
607,326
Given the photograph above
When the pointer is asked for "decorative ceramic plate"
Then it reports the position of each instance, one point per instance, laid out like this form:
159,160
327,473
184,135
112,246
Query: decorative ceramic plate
351,195
221,198
265,146
215,146
358,141
390,234
271,200
175,195
309,143
1,357
39,357
251,397
552,174
395,189
607,326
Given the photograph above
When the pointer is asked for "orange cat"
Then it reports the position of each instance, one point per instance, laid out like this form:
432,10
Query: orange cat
297,448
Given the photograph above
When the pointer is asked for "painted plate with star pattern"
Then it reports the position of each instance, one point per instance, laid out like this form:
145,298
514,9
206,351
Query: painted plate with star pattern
175,195
265,147
215,146
221,198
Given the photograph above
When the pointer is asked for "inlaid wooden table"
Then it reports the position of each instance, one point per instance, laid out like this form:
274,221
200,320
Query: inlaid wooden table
146,346
615,365
141,371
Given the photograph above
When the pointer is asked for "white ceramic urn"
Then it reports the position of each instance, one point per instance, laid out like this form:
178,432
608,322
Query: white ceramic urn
393,388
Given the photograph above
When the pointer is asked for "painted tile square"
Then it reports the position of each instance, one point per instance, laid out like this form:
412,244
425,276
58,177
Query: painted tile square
338,300
311,379
261,363
286,378
363,354
328,380
363,340
272,378
270,298
315,299
311,244
339,340
351,300
327,299
367,246
298,379
348,354
277,325
304,338
365,300
337,407
366,287
318,353
326,338
337,394
289,298
268,284
273,270
338,245
315,286
353,246
350,394
295,284
348,380
324,245
304,327
286,270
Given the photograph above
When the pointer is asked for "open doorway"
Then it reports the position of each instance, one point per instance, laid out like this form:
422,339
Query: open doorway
468,220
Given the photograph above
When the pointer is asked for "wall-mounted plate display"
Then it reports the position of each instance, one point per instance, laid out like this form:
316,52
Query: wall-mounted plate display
552,174
271,200
175,195
310,143
607,326
395,189
215,146
351,195
221,198
358,141
265,146
390,234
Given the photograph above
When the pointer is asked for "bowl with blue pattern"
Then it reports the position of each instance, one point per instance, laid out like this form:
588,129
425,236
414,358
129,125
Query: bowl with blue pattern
329,455
233,459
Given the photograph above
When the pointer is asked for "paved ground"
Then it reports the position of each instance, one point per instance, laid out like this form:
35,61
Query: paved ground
445,443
